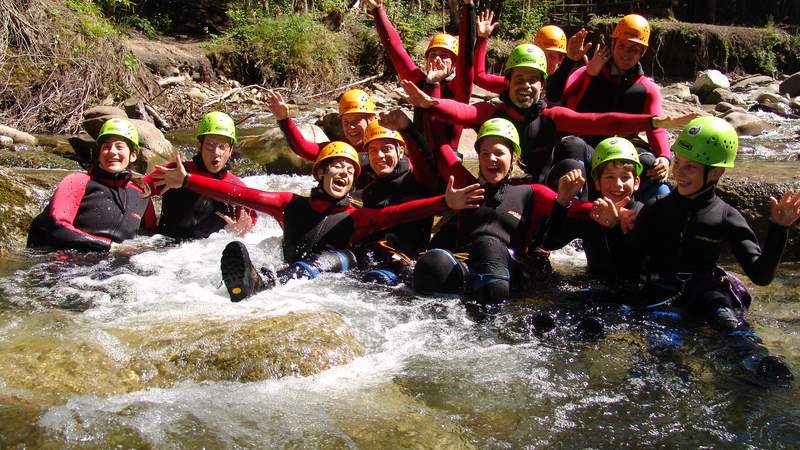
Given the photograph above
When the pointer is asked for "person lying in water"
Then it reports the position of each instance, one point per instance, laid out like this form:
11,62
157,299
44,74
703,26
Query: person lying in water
188,215
98,210
319,230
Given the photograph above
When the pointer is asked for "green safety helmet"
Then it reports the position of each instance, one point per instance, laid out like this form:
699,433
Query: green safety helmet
218,123
710,141
527,55
122,128
612,149
501,128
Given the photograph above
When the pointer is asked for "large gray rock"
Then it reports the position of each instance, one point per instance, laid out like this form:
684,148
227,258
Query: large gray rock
769,97
790,85
271,150
18,206
94,118
708,80
722,95
677,91
745,124
331,124
746,84
19,137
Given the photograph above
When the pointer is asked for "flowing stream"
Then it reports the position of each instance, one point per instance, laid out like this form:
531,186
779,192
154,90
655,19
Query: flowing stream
98,352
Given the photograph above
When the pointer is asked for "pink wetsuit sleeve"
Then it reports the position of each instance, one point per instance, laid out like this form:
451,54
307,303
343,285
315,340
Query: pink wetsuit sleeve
543,200
64,207
575,87
490,82
423,172
458,113
600,124
303,148
239,210
449,165
393,45
149,221
149,181
272,203
367,221
461,85
657,138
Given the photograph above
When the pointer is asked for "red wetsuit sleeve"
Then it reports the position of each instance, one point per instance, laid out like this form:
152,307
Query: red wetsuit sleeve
490,82
302,147
543,200
272,203
149,181
422,171
657,138
600,124
575,87
239,210
461,85
64,207
458,113
149,221
448,163
367,221
393,45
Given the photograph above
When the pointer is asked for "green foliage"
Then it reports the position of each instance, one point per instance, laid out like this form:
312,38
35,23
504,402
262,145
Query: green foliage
92,21
521,19
288,49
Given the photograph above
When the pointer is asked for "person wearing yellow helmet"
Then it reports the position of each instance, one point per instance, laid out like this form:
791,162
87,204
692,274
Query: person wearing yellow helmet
187,215
98,210
679,239
448,67
319,230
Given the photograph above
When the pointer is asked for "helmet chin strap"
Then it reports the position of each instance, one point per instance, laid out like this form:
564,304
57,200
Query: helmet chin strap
706,183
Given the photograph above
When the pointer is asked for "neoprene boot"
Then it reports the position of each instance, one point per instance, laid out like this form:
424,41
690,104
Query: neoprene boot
240,276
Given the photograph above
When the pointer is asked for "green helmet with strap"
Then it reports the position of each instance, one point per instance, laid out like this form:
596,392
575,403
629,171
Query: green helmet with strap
122,128
218,123
615,149
710,141
527,55
501,128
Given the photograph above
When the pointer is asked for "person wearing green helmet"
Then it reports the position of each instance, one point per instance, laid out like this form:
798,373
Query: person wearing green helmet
98,210
680,237
187,215
497,235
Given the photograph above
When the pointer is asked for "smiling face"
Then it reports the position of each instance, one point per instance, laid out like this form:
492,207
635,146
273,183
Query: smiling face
626,53
336,177
215,151
617,180
554,59
115,155
525,86
354,125
690,175
495,159
384,154
445,56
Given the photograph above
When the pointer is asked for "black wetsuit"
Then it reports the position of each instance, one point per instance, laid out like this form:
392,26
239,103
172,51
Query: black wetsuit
89,211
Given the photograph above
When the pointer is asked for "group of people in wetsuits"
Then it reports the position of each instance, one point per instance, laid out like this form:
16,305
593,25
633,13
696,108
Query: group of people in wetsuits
583,178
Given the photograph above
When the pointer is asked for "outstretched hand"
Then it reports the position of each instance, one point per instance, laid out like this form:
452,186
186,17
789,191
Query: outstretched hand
277,105
436,71
607,213
372,4
674,122
601,56
569,185
577,48
468,197
167,178
239,226
395,119
484,25
414,95
785,211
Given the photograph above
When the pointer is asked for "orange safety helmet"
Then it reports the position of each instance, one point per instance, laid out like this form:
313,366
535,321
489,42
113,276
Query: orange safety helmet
376,131
634,28
551,37
337,149
445,41
356,101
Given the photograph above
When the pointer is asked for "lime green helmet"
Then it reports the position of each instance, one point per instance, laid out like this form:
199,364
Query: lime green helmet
218,123
501,128
710,141
122,128
527,55
613,149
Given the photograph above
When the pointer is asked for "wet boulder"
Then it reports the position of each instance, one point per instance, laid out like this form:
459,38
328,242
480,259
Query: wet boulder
19,204
747,84
331,124
677,92
745,124
18,137
724,107
6,141
722,95
790,85
709,80
36,160
271,150
94,118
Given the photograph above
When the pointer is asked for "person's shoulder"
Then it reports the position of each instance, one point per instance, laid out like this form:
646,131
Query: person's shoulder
75,179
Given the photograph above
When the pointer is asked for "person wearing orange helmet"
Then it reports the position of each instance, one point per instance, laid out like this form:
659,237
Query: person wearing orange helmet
613,81
448,67
319,230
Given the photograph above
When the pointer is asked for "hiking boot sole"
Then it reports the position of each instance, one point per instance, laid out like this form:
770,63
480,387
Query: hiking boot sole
236,266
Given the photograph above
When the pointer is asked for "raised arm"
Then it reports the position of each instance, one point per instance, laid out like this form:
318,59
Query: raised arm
401,61
462,83
611,123
657,138
303,148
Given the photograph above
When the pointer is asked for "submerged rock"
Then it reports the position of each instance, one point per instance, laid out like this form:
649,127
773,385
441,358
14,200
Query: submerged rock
271,150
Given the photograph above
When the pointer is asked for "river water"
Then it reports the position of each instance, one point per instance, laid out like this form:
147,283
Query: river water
80,368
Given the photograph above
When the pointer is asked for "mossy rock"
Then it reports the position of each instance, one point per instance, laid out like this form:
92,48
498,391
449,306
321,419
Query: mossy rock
36,160
271,151
18,206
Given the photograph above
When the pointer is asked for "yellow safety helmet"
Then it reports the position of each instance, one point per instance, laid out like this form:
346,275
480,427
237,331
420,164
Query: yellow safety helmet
445,41
356,101
551,37
337,149
376,131
634,28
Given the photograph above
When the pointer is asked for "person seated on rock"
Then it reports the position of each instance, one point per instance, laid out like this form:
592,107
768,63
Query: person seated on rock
319,230
680,236
447,73
545,155
497,236
188,215
98,210
613,81
356,111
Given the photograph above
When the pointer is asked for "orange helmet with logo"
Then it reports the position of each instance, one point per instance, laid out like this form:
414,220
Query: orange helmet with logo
337,149
634,28
551,37
445,41
356,101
